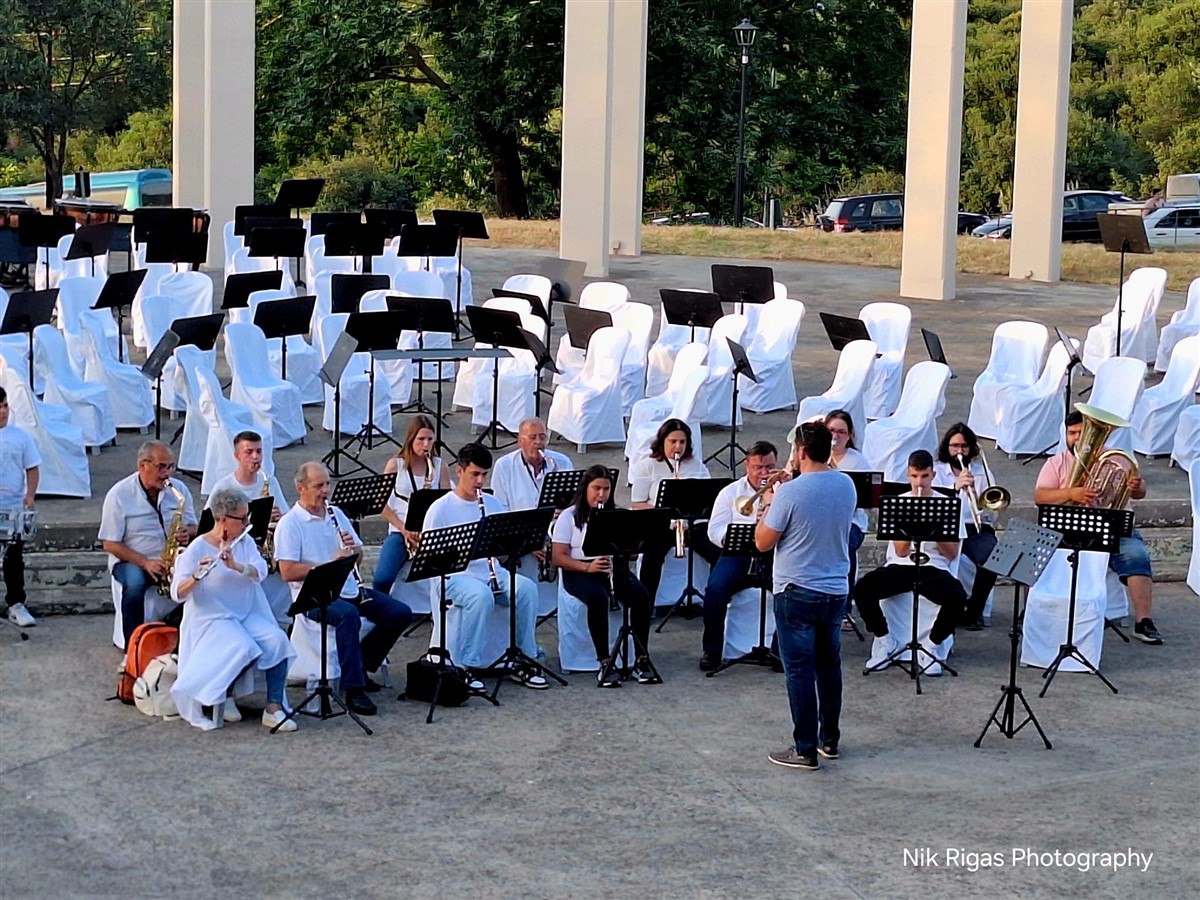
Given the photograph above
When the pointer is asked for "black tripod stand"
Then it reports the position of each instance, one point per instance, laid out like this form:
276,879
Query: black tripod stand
739,541
741,366
331,374
692,500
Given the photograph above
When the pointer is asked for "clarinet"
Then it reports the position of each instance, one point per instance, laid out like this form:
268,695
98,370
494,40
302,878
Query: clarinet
547,573
342,536
493,582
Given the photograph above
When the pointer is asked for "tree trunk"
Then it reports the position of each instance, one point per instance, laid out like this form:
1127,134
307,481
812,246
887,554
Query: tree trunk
507,175
52,162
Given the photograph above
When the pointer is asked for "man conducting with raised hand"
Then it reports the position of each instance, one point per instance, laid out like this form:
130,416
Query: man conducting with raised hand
806,523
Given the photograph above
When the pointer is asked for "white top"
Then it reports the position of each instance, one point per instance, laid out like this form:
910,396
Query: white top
406,483
254,491
453,510
129,518
514,482
856,461
936,559
724,511
648,472
565,531
222,593
943,476
304,538
18,452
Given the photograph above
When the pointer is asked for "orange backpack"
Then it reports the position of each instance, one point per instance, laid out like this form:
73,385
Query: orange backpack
147,641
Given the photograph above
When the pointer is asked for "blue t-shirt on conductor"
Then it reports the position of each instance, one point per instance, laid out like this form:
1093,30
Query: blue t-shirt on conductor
813,512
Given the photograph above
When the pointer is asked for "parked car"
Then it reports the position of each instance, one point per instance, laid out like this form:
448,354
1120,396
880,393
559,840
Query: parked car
997,229
1174,226
878,212
1080,209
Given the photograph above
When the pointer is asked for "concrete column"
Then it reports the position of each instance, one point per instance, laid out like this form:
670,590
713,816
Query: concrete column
187,97
1041,152
587,133
229,107
935,99
628,127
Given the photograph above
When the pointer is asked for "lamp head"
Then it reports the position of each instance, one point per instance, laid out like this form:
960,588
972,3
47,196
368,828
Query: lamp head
745,33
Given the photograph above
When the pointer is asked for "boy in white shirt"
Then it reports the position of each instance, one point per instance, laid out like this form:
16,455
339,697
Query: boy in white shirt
19,473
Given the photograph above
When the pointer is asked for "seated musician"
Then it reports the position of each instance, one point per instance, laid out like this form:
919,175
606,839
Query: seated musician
959,445
227,624
416,467
312,533
595,581
730,574
898,574
484,584
19,474
846,457
138,515
671,456
1131,562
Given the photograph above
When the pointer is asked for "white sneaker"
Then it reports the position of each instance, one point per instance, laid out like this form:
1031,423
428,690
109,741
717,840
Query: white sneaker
935,668
20,616
232,713
271,719
881,649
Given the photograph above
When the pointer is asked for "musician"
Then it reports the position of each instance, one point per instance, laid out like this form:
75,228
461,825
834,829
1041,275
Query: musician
19,474
415,467
471,590
1131,562
227,624
730,574
898,574
846,457
312,533
518,476
671,456
960,445
137,515
806,524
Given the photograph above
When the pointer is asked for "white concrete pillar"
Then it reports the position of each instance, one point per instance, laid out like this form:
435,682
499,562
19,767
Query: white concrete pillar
1041,151
935,100
587,133
188,171
628,127
228,108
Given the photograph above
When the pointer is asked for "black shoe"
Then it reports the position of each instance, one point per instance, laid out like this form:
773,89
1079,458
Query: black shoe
828,751
777,665
643,673
790,759
709,662
372,686
609,679
1145,632
360,703
975,624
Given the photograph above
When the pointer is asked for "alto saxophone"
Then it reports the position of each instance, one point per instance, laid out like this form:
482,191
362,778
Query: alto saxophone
268,545
679,525
172,548
493,582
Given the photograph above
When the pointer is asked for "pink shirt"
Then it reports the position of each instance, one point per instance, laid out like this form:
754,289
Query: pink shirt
1056,471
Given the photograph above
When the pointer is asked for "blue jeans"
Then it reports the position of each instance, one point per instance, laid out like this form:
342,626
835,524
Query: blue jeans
392,556
357,658
134,582
276,682
809,627
1131,558
727,577
856,541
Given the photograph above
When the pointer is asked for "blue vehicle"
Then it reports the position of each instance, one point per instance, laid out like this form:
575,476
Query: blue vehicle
129,189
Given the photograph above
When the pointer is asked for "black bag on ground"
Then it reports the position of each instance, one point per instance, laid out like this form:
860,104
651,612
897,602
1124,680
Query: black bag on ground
422,677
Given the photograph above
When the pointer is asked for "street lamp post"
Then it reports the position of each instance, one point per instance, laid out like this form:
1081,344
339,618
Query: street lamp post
744,33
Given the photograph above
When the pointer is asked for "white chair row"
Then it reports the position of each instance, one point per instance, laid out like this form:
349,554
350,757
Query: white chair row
1138,298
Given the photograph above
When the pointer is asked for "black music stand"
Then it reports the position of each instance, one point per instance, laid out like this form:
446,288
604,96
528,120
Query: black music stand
868,491
239,287
842,330
739,541
259,510
566,275
470,225
392,220
542,311
691,499
320,222
741,366
1122,234
26,311
623,534
152,368
358,498
375,332
427,241
933,345
331,373
355,240
256,211
1073,360
917,519
499,328
421,315
692,309
176,247
91,241
583,323
1083,528
200,331
283,319
743,284
560,485
1022,554
322,587
513,535
346,290
44,232
119,291
419,502
299,193
277,242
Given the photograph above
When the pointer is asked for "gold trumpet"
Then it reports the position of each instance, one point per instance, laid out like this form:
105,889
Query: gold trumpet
1108,472
745,505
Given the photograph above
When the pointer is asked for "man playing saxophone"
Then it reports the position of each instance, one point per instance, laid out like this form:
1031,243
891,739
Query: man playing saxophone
139,511
1131,562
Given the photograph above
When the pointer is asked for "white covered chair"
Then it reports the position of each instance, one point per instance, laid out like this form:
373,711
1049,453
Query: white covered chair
1184,323
473,371
1193,576
606,295
716,394
155,273
397,372
64,467
274,403
897,610
1031,418
1187,438
660,360
76,296
231,243
14,348
354,386
154,609
1118,389
317,263
517,380
158,314
495,640
305,666
576,652
1017,350
48,269
425,284
303,363
222,420
1140,295
242,262
1045,628
653,410
1155,416
888,325
888,442
769,349
683,406
637,319
91,410
538,285
741,622
587,409
128,389
855,363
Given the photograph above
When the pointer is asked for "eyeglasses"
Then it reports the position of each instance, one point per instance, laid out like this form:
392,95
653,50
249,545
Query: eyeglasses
162,467
243,519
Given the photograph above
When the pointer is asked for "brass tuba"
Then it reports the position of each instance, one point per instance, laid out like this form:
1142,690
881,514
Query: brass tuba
1108,472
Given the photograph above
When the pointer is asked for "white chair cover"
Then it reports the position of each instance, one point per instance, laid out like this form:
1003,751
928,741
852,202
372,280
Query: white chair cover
1046,610
674,580
242,262
1193,576
231,243
425,284
474,370
316,263
716,394
155,273
76,297
638,320
855,363
91,411
303,363
274,403
14,348
516,382
49,266
1017,350
651,411
128,389
154,609
354,385
1031,418
606,295
1118,389
888,324
661,359
1184,323
683,406
414,594
158,314
84,267
305,637
576,653
1187,438
769,349
397,372
64,469
898,612
1155,416
741,621
221,420
538,285
587,409
888,442
1140,295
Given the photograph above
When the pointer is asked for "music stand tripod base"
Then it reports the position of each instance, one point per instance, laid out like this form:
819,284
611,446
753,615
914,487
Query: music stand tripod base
739,541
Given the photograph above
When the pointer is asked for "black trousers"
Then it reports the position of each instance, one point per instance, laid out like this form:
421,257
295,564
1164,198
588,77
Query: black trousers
14,573
591,588
937,586
654,555
978,547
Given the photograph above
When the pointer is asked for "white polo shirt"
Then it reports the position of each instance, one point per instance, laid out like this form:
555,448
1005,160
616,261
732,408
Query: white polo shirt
453,510
252,491
514,482
724,511
565,531
18,452
304,538
649,472
129,518
406,483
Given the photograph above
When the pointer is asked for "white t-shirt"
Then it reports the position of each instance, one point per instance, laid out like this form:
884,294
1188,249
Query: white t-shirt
648,472
18,452
936,559
453,510
129,518
406,483
724,511
304,538
565,531
856,461
514,482
253,491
